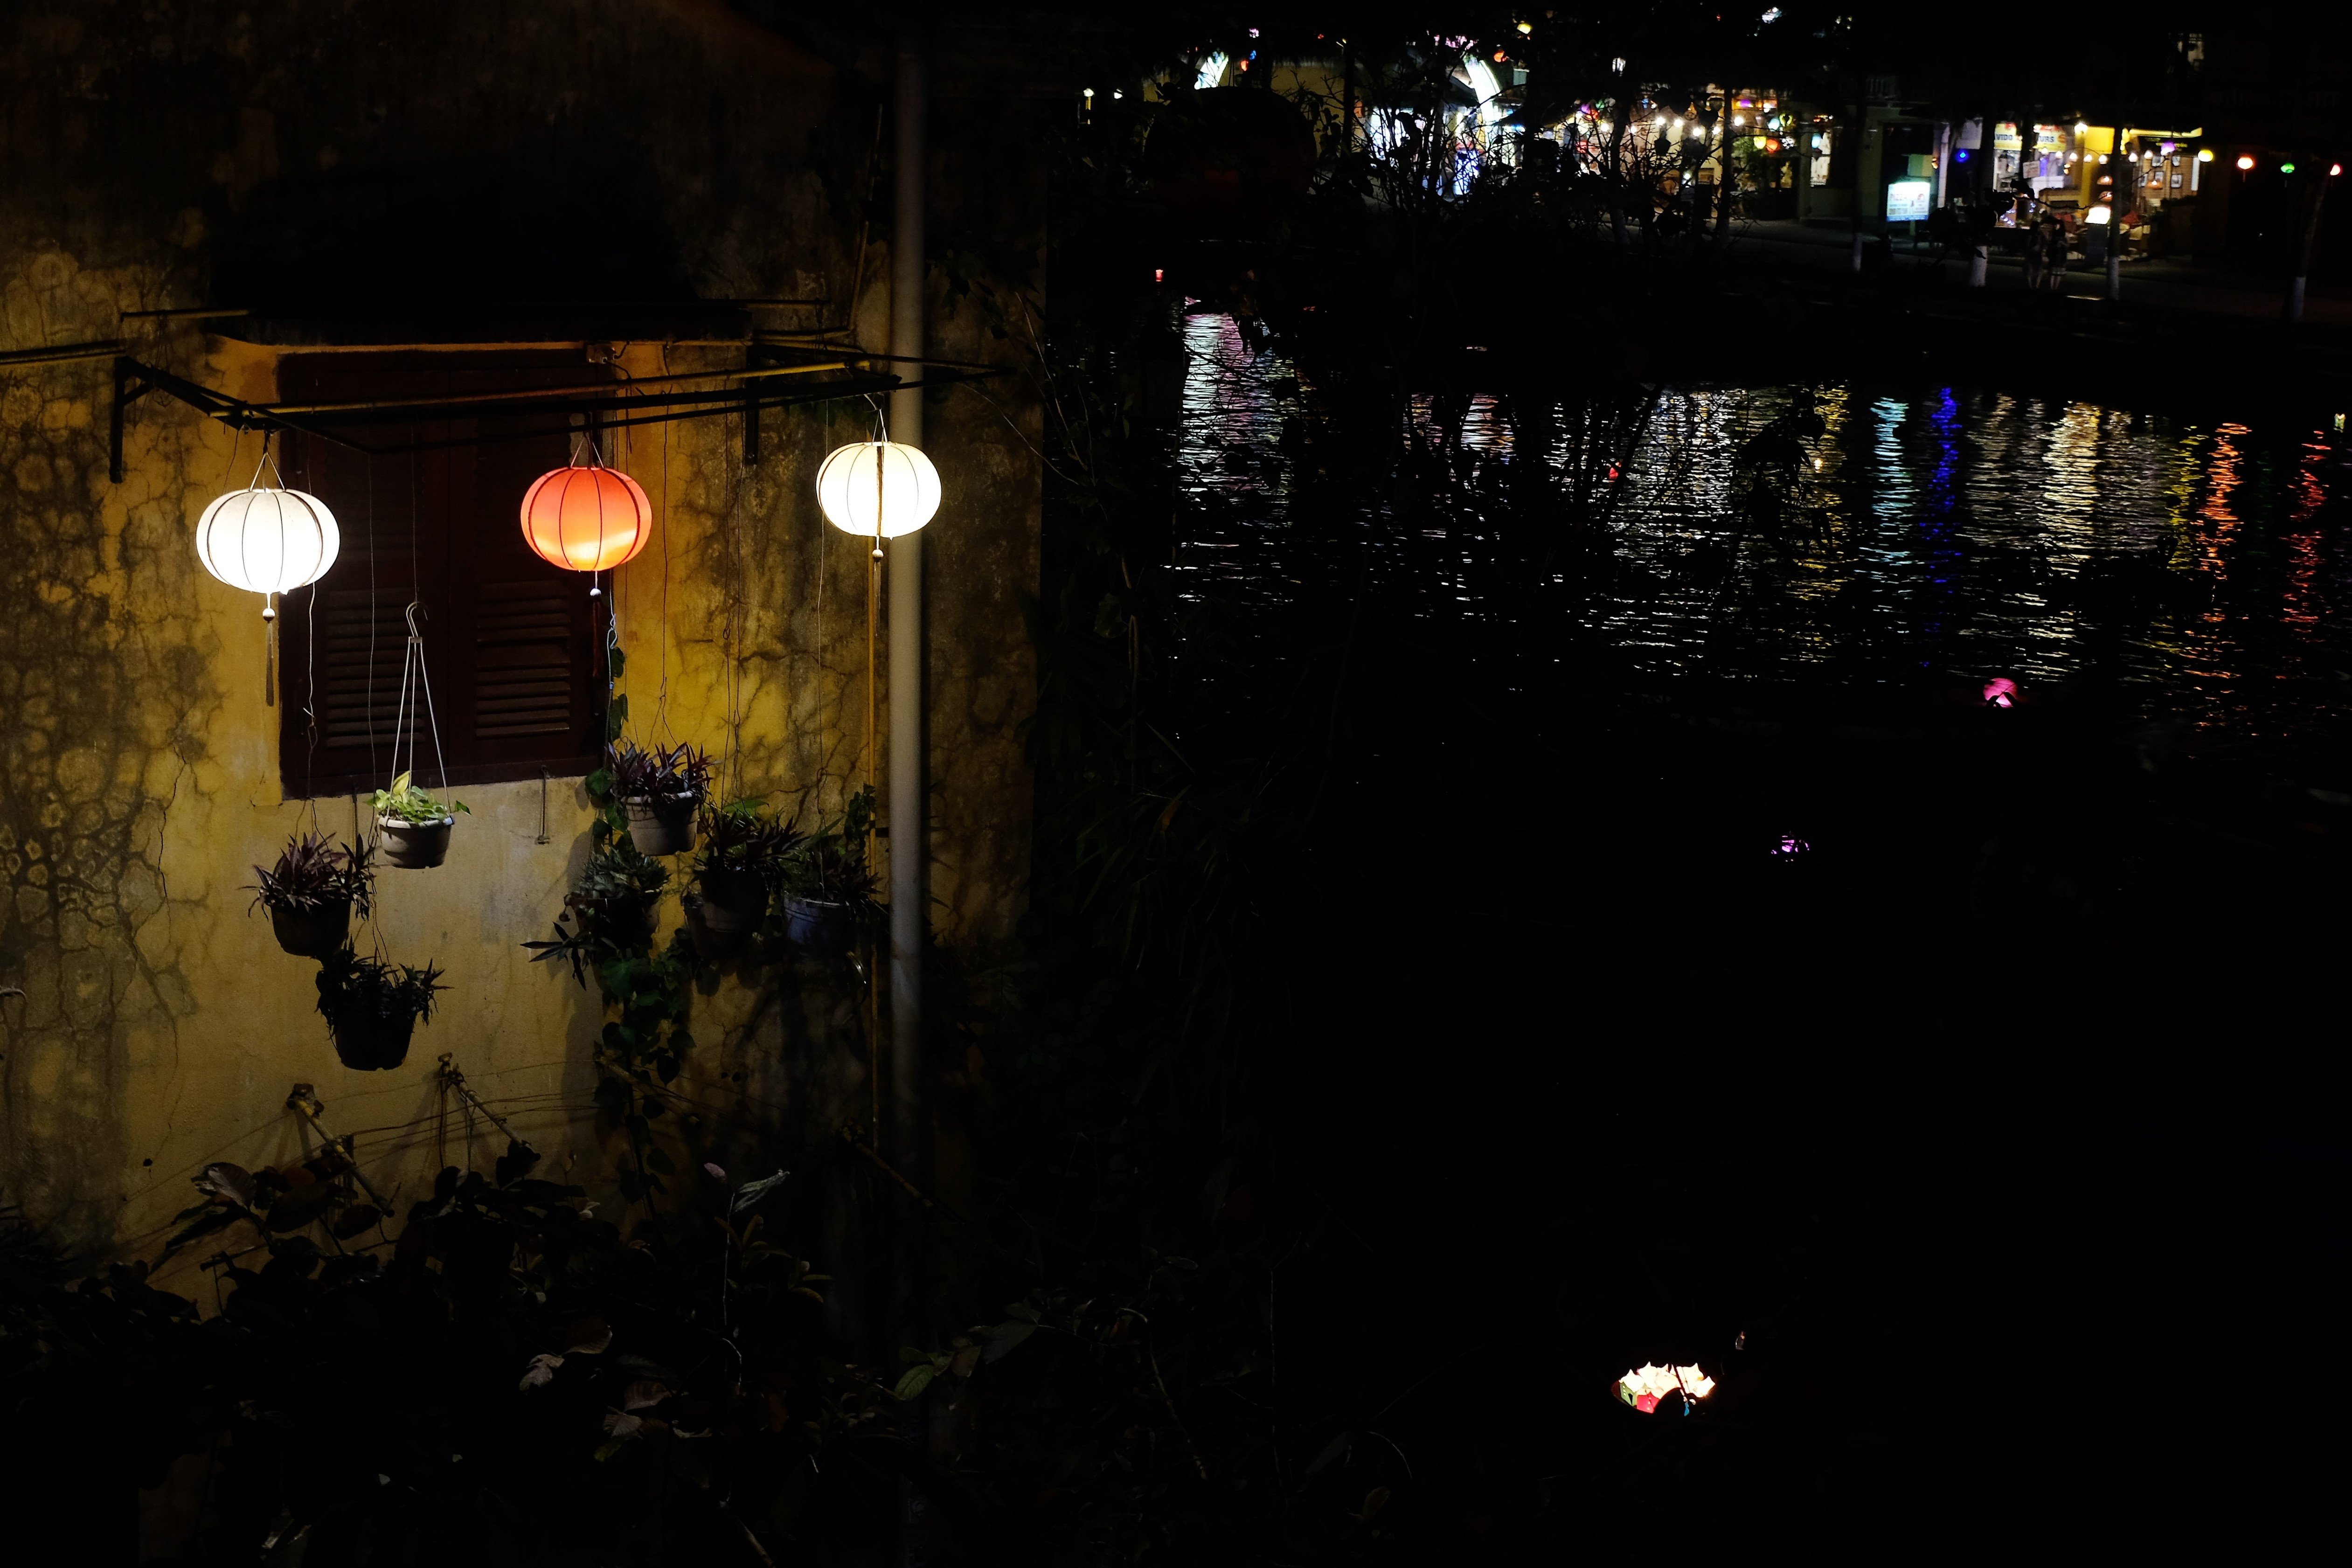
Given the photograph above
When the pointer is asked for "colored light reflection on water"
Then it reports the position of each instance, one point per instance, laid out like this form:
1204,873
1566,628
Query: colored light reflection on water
2194,565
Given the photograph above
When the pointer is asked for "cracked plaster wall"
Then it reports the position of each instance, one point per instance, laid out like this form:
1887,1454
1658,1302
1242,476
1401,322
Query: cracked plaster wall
161,1027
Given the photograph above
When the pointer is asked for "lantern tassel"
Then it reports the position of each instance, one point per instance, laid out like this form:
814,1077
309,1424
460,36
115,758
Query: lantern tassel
269,656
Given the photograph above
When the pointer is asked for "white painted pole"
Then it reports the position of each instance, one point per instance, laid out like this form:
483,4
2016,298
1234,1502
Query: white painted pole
910,805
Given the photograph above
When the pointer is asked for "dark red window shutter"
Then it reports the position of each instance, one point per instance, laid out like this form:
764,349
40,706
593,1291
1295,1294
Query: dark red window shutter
513,646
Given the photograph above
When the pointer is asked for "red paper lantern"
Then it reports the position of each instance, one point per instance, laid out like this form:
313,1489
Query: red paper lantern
586,517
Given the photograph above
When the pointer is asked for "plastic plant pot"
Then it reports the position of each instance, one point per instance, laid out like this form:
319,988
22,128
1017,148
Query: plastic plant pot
733,901
819,926
662,824
372,1042
314,932
415,846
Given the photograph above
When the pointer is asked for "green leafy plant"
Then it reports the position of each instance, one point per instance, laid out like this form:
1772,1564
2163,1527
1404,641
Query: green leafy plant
830,866
743,838
609,911
635,773
354,987
514,1378
276,1202
403,802
313,873
607,926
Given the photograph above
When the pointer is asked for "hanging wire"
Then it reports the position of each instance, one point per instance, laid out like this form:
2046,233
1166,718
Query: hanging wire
413,680
368,463
310,700
661,634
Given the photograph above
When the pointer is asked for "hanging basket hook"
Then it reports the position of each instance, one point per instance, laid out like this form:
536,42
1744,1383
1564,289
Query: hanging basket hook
415,605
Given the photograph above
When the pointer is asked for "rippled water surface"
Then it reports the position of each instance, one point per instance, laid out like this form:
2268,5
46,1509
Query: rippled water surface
2196,564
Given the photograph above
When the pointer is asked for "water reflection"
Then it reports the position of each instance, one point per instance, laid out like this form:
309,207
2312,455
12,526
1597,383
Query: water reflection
1973,531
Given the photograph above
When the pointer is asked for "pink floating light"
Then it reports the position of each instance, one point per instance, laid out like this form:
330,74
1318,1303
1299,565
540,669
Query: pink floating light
1790,845
2000,692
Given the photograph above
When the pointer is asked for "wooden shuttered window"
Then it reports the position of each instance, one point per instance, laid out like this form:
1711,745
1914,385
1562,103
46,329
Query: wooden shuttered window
513,646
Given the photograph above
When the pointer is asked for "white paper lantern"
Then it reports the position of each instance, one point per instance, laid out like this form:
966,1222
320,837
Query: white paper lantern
879,479
268,540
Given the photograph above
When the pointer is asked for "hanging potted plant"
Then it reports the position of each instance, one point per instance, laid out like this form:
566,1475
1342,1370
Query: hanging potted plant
830,891
741,854
372,1007
413,826
311,892
659,792
609,913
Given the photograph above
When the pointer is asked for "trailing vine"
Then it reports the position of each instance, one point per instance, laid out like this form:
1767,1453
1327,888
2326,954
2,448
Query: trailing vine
607,928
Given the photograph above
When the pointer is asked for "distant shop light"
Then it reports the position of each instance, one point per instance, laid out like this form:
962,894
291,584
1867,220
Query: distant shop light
2245,161
1526,28
2204,154
2082,128
2167,147
2000,692
2286,168
1961,156
2103,157
2334,169
2099,215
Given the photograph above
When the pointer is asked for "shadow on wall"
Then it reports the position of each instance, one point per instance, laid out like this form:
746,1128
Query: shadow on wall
560,222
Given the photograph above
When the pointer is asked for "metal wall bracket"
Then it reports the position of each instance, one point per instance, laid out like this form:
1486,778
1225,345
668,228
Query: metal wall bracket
130,383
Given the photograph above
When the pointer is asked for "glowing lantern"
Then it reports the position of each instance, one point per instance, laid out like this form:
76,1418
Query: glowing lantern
268,540
879,488
1645,1387
586,517
2000,692
2245,161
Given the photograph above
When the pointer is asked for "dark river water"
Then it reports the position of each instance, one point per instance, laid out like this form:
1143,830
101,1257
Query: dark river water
2193,565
